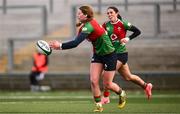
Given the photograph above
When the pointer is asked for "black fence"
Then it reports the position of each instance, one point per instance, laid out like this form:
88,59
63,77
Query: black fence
75,81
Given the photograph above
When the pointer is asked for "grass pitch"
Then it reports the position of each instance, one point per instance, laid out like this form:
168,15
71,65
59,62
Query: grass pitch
80,102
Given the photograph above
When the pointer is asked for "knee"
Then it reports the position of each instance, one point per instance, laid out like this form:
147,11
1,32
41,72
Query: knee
107,85
94,83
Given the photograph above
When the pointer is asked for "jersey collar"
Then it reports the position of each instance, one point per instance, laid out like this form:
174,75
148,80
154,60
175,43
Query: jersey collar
115,22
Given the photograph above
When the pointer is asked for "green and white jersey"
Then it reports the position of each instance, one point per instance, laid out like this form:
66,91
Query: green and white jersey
102,44
117,31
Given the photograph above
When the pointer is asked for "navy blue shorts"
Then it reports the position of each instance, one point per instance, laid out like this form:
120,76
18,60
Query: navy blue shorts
123,57
109,61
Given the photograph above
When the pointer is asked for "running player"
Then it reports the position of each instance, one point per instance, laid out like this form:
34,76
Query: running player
117,28
103,58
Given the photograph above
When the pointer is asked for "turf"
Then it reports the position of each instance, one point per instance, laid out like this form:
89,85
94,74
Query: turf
80,102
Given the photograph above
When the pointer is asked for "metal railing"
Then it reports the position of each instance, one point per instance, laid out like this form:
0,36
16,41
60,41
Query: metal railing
11,48
126,4
5,6
156,14
174,4
99,2
10,51
44,17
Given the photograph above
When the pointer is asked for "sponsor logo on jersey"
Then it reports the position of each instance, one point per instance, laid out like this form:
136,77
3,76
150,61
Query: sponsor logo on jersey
84,29
113,37
119,28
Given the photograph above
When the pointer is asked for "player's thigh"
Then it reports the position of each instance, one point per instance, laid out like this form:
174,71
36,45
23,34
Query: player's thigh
108,76
95,71
125,71
118,65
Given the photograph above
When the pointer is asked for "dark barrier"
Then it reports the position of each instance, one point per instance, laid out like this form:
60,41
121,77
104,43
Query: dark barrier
161,81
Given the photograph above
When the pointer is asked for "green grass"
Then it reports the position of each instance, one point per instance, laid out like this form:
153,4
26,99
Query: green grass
80,102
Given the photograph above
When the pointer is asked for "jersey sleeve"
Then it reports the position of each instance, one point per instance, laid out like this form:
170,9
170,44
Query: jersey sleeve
126,24
87,28
74,43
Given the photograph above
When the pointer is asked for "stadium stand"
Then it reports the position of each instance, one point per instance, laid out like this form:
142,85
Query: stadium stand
148,53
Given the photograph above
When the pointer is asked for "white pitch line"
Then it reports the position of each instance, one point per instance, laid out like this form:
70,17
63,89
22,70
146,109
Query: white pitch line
82,97
36,102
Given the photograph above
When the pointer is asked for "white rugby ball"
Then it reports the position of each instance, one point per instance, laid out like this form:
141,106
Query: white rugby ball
43,47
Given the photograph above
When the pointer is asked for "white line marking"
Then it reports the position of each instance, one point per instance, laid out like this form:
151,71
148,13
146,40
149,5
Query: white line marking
82,97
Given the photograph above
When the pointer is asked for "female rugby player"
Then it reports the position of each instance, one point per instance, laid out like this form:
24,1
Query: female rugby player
103,58
117,29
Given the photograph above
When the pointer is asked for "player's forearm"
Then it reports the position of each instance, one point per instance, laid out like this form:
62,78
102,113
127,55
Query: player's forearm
74,43
136,32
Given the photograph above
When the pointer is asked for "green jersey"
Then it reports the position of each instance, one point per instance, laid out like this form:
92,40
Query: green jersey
117,31
101,42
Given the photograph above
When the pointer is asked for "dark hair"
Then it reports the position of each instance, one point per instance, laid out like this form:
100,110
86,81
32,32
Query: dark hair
86,10
116,10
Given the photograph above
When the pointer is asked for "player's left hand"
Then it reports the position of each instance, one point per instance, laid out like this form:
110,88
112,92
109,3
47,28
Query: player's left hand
125,40
55,45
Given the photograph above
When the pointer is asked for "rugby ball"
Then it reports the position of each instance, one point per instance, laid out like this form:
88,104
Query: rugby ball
43,47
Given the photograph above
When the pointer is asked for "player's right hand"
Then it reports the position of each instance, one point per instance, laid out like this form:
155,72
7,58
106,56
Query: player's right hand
55,45
125,40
